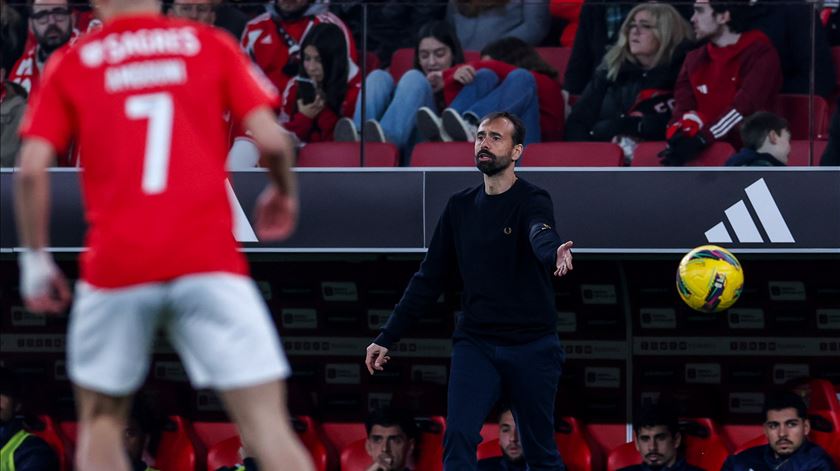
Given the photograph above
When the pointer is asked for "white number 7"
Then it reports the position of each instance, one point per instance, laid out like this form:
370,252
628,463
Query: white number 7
158,109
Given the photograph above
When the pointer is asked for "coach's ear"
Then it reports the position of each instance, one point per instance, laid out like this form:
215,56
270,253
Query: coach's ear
516,152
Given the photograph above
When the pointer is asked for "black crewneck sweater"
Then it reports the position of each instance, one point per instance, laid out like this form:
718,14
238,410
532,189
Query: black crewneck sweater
505,248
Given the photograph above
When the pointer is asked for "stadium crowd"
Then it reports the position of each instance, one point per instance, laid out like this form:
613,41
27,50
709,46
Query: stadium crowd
686,75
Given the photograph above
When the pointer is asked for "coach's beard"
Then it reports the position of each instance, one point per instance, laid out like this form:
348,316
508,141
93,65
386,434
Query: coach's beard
493,164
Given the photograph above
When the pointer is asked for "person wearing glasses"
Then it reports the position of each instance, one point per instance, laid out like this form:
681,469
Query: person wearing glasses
51,23
202,11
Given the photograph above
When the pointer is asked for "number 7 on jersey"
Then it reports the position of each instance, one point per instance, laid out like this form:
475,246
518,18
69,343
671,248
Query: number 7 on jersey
157,108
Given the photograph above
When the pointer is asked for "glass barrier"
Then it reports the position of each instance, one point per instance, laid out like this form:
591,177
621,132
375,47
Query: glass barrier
592,85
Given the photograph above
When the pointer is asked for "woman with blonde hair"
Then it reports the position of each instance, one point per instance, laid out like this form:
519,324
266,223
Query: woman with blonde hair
630,97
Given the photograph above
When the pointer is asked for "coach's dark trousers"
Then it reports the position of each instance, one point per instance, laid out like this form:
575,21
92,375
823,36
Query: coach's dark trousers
526,375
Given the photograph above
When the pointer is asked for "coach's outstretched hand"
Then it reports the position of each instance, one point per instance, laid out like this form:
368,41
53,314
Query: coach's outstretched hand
376,357
564,258
276,214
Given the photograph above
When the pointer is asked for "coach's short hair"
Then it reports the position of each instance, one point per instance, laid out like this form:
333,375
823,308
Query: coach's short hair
756,127
654,415
518,126
785,400
740,13
391,417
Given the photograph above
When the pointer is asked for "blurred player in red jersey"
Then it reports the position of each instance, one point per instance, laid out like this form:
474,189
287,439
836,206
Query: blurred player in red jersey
145,97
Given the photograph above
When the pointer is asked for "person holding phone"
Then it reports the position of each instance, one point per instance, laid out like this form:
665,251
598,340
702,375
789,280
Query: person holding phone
315,100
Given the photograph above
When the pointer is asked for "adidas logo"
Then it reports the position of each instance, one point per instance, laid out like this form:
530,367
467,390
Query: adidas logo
742,221
242,230
703,89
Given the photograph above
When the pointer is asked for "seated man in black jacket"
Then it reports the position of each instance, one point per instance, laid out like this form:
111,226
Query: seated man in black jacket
512,458
658,439
788,449
25,451
766,139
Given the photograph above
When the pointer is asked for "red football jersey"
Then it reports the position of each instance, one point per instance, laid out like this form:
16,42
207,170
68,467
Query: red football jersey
145,98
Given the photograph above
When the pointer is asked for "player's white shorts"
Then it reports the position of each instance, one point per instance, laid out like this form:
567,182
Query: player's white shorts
217,322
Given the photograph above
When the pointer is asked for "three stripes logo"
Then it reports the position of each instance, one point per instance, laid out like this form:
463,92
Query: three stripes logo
742,222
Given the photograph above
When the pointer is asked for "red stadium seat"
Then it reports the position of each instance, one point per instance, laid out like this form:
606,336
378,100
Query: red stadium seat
573,154
46,428
557,57
715,155
443,154
69,430
177,448
622,456
372,61
488,449
403,60
341,434
348,154
800,153
354,457
794,108
575,447
736,435
224,453
307,431
706,453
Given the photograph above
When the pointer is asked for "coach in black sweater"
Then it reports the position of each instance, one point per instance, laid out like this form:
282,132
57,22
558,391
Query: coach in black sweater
501,237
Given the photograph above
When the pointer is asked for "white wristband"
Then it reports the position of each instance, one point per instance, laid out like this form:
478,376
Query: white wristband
36,271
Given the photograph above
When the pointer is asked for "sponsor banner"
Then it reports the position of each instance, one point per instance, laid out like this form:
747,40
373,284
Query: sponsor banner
746,402
595,349
658,318
745,318
736,346
170,371
23,318
566,322
339,291
379,400
598,294
33,343
602,377
343,373
396,210
828,319
787,291
784,372
291,318
702,373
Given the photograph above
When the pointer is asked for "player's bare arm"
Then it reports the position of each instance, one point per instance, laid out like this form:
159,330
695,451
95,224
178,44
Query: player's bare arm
43,287
277,207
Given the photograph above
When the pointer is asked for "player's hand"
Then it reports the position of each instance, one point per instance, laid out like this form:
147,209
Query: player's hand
276,214
435,80
381,463
564,258
376,357
42,285
312,109
464,74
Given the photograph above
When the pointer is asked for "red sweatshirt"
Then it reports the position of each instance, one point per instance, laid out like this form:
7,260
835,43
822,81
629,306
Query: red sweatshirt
552,117
724,85
320,128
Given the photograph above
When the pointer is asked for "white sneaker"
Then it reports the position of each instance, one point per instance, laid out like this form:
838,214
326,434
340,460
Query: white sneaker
373,131
456,126
430,126
345,131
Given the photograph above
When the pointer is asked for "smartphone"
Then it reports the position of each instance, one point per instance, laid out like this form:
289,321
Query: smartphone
305,90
